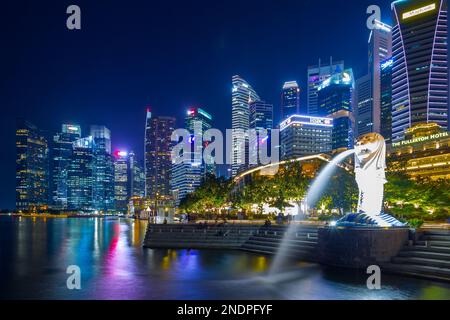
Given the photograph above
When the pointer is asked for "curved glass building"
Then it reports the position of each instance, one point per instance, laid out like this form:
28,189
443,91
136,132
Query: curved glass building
420,64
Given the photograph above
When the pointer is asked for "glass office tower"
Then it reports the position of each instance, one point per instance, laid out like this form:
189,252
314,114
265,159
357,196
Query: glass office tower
261,118
335,98
32,167
103,169
81,177
158,144
121,195
386,99
290,99
242,96
61,156
316,75
187,175
420,65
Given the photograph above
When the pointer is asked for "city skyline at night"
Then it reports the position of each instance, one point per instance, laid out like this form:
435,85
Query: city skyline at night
192,152
112,82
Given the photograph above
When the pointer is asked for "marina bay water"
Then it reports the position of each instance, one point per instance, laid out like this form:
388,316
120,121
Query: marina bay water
35,253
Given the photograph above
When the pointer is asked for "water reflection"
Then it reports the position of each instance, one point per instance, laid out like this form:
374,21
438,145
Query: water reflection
34,255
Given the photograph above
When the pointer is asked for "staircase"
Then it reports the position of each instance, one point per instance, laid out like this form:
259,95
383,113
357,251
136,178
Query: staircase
300,242
198,236
427,258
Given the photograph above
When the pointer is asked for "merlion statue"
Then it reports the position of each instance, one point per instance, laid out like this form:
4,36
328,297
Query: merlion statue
370,166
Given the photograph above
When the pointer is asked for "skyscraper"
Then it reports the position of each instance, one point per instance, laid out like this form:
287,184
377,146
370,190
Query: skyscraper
81,177
290,99
380,48
136,177
188,174
364,105
242,95
316,75
121,194
158,131
368,90
261,115
186,177
198,121
102,138
304,135
335,98
420,70
103,169
32,167
261,118
386,99
61,156
129,179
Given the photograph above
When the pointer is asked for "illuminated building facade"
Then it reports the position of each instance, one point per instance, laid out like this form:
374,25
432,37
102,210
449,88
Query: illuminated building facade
335,97
103,169
158,144
32,167
386,99
261,118
425,152
305,135
81,177
188,174
316,75
186,178
61,156
129,179
420,70
242,96
121,182
380,48
198,121
136,177
368,88
290,99
364,105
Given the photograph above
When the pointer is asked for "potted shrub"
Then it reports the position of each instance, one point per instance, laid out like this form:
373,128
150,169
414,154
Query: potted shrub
414,224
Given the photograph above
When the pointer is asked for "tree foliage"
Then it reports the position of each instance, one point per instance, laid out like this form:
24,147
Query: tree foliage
404,198
419,198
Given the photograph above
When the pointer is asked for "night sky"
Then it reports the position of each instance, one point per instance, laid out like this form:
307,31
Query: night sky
165,54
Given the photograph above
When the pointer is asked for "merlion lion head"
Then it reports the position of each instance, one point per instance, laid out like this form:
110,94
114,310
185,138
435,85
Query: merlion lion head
370,151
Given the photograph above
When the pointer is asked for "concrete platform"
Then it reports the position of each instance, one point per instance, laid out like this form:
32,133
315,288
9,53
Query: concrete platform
360,247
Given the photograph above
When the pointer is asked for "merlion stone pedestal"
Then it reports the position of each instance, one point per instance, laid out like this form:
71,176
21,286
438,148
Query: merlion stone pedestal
356,247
